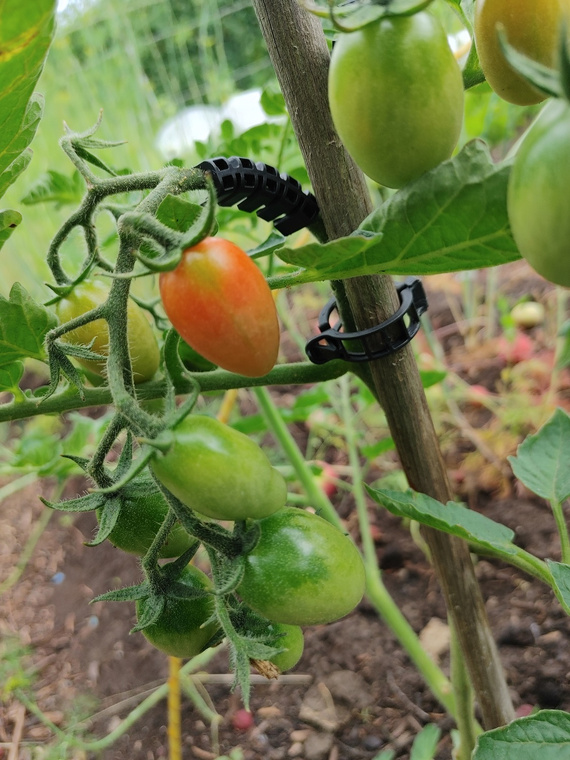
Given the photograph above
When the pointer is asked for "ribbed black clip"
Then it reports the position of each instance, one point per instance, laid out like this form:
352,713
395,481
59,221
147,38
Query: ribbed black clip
274,196
375,342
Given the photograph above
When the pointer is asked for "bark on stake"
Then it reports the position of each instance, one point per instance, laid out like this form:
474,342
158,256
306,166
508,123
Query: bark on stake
300,57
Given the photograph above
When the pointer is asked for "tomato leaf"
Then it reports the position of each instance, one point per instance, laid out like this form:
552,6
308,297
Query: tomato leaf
23,326
561,582
9,220
451,518
55,187
542,462
177,213
545,735
453,218
23,46
10,376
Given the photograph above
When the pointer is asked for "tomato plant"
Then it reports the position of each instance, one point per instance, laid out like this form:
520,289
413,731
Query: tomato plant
142,513
303,570
143,347
219,302
182,629
532,27
292,641
396,97
539,188
219,472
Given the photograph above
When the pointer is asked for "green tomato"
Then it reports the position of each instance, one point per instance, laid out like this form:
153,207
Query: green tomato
219,472
539,193
143,347
303,570
396,97
532,27
181,629
292,641
142,513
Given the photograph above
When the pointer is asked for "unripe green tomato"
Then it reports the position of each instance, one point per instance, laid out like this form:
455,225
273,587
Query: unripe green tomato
142,513
303,570
143,347
532,27
219,472
293,641
538,199
396,97
181,629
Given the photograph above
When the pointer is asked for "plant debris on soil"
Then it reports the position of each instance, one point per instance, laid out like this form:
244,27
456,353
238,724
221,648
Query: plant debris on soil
354,693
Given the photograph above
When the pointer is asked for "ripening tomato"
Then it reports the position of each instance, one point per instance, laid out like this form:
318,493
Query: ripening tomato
219,472
303,570
220,304
143,347
532,27
396,97
539,192
182,629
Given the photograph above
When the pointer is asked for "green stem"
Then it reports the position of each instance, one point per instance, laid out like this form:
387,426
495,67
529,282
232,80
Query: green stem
522,559
150,560
464,699
298,277
562,527
211,533
375,589
96,466
299,373
316,495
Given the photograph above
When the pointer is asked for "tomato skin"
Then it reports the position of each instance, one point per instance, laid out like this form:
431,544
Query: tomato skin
303,570
220,304
219,472
292,641
178,631
143,347
142,513
396,97
539,193
532,27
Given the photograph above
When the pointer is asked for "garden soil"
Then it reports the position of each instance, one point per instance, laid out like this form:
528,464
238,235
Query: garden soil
353,694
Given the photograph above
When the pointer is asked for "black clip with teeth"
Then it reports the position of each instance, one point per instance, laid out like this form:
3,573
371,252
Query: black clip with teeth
375,342
254,186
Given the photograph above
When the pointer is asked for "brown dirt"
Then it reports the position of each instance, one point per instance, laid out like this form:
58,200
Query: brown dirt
353,694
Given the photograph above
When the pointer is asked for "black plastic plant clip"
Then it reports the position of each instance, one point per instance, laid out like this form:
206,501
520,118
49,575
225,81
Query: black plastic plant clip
382,340
275,197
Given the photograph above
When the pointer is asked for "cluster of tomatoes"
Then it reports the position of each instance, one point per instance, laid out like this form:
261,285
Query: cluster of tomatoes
303,570
396,98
